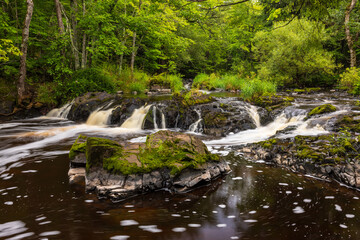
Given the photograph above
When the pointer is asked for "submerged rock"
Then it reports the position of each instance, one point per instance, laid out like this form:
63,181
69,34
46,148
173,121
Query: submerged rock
171,160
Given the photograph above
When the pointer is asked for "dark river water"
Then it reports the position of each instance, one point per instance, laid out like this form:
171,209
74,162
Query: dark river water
255,201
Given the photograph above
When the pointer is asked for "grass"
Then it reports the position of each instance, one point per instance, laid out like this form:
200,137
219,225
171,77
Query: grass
249,87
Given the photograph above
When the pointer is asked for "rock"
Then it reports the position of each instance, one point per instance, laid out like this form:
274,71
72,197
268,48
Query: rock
84,105
168,159
325,108
76,175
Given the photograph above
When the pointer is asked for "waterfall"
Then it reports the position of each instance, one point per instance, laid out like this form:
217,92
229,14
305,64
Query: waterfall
195,126
253,113
61,112
136,120
99,118
154,116
163,120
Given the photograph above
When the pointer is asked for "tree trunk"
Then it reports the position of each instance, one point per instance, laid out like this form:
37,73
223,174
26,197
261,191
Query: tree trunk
59,17
83,56
24,45
349,38
75,32
133,54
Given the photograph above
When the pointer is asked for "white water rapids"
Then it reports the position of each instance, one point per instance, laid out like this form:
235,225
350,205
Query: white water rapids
36,134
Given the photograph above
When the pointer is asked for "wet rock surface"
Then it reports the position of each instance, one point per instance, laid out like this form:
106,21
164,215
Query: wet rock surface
332,157
171,160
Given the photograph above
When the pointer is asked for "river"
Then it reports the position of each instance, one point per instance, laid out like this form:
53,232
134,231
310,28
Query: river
255,201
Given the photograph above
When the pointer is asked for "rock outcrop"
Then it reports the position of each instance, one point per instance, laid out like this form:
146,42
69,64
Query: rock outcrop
170,160
326,157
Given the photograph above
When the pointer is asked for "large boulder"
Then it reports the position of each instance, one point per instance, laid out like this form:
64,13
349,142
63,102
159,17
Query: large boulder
171,160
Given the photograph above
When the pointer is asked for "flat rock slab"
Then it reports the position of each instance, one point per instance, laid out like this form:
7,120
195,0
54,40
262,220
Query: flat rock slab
118,187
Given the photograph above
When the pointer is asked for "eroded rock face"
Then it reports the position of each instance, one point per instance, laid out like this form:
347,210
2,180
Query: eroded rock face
171,160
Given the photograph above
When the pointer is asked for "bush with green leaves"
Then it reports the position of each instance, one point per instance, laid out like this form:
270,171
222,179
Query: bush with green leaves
294,55
350,80
85,80
255,88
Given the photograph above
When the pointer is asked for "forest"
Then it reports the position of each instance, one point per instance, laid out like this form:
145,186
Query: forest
54,50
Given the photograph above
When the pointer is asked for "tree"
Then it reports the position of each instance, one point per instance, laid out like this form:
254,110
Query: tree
24,48
295,54
349,38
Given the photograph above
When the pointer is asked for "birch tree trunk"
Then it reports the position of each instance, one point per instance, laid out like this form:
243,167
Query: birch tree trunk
24,46
59,17
349,38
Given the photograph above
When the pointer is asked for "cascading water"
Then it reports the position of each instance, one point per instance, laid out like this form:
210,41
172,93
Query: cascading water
196,126
253,113
136,120
99,118
154,117
163,120
289,118
61,112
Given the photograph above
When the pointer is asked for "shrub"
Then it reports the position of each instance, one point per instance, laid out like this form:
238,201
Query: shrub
350,80
86,80
46,93
256,88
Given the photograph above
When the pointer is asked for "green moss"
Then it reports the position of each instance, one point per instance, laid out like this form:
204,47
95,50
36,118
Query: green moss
193,97
98,150
215,119
326,108
299,90
272,102
175,153
269,143
78,147
307,90
306,152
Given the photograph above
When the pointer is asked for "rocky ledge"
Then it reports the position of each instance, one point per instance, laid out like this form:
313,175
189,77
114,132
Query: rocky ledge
167,160
331,157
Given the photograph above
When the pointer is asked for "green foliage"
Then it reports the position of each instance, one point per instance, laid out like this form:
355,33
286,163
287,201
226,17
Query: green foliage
295,54
325,108
174,81
350,80
86,80
46,93
7,48
255,88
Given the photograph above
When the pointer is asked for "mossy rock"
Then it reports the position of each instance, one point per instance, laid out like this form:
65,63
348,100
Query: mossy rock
325,108
192,98
268,144
164,149
272,102
215,119
351,123
78,147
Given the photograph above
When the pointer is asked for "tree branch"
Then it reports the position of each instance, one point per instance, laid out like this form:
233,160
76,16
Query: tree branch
296,15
